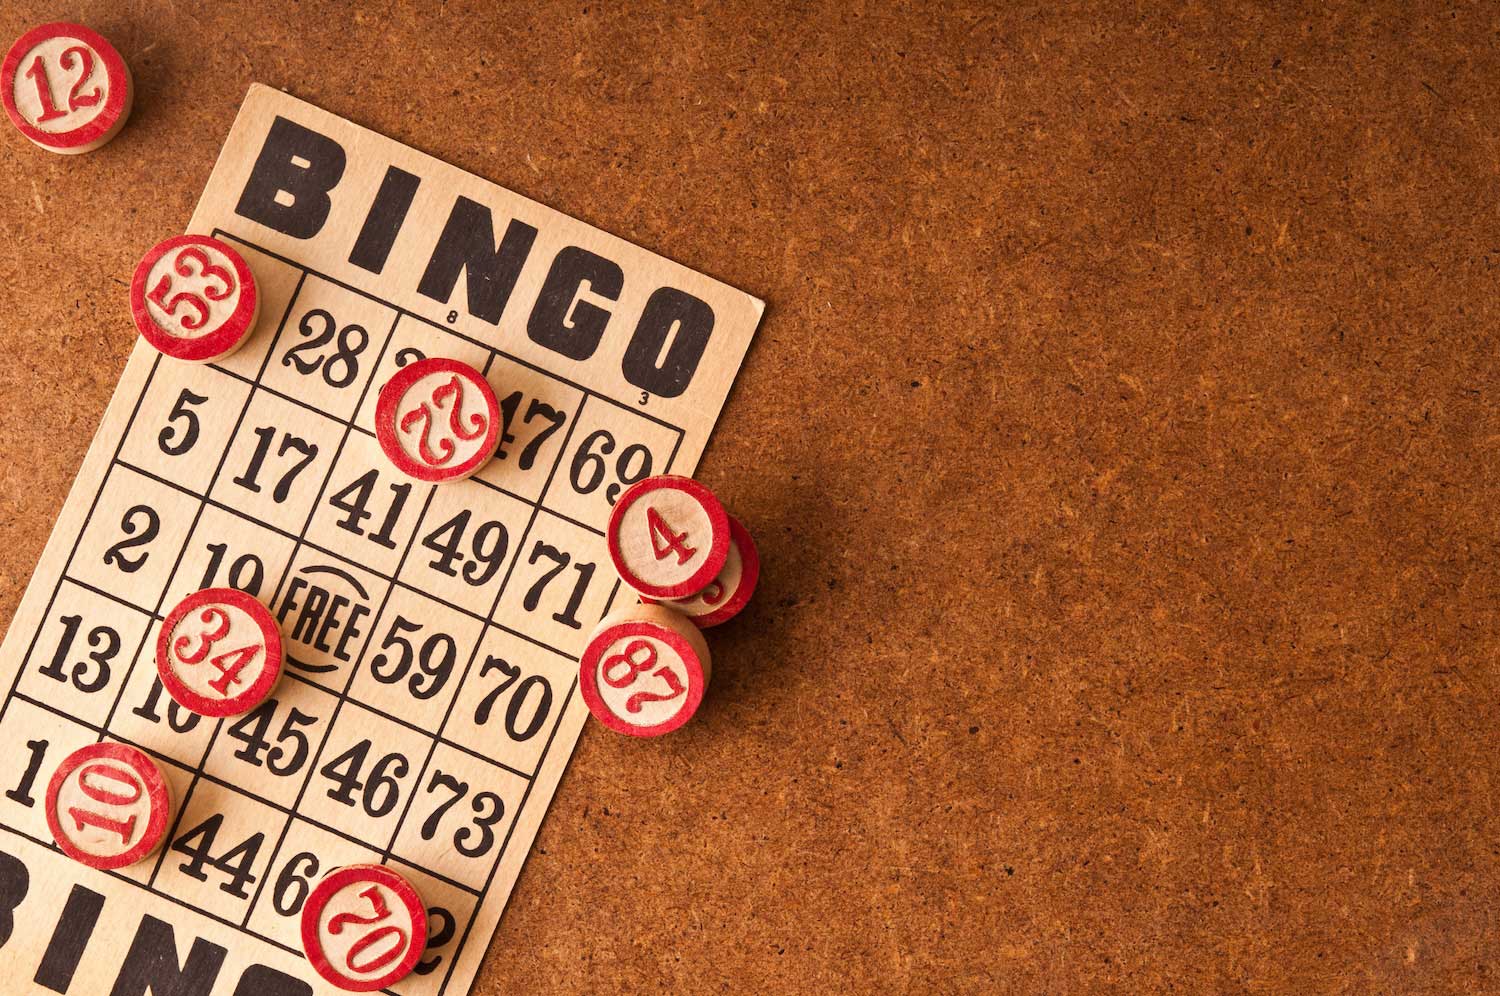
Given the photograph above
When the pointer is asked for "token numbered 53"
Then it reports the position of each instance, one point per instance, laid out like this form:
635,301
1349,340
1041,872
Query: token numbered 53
219,652
363,928
194,298
107,805
437,420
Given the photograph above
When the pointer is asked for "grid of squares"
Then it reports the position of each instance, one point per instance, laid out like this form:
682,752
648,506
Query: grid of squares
411,721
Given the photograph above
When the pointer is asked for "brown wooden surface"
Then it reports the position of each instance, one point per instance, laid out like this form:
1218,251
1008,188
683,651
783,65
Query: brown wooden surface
1120,443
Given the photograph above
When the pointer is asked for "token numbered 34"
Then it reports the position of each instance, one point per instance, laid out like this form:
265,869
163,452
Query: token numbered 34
219,652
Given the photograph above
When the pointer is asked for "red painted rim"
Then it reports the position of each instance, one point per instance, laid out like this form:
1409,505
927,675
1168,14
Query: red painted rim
325,890
114,67
588,676
740,597
390,399
264,682
222,340
156,791
718,550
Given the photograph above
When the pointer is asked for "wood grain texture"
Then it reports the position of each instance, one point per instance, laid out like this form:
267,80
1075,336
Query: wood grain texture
1120,443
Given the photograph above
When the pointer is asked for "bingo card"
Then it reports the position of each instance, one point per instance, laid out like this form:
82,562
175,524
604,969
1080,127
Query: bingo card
429,699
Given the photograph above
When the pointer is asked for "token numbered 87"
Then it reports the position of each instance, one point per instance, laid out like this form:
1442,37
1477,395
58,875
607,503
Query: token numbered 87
219,652
644,671
107,805
363,928
668,536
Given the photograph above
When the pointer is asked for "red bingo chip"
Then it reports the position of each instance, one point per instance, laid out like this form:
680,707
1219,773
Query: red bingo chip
219,652
730,591
363,928
107,805
437,420
66,88
668,537
644,671
194,298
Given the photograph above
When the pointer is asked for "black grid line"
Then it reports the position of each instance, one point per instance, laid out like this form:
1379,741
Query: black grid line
394,582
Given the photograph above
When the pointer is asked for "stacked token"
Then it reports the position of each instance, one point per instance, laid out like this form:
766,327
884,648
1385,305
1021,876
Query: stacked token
437,420
363,928
219,652
108,805
66,88
646,668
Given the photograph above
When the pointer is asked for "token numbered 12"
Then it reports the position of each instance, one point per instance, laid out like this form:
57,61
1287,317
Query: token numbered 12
66,88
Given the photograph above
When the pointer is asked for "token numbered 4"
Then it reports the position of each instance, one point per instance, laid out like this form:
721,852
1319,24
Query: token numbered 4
668,537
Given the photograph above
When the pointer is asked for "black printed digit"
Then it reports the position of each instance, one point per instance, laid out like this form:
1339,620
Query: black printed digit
354,501
22,792
175,440
105,644
293,886
379,793
247,573
234,864
434,660
179,719
319,328
589,468
250,479
529,704
483,556
144,519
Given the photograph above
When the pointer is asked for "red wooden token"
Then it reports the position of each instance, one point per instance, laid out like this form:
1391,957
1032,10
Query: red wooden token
644,671
668,537
194,298
107,805
437,420
363,928
65,87
730,591
219,652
